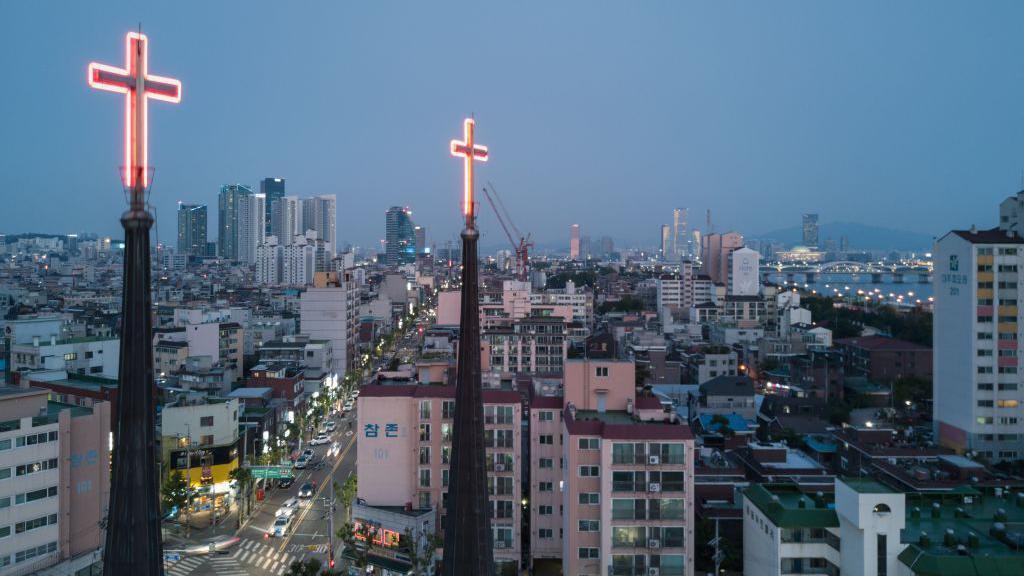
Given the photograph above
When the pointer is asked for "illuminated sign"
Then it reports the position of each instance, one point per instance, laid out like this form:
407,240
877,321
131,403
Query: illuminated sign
470,151
381,536
138,86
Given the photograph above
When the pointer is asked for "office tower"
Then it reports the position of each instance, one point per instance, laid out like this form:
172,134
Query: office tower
400,237
810,230
285,219
273,190
607,246
666,241
320,214
227,219
421,239
251,226
192,229
585,248
680,245
976,382
695,244
574,242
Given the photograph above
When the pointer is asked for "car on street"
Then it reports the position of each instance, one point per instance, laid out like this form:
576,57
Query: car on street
302,462
349,406
286,482
280,526
321,438
306,491
289,507
307,453
334,449
330,426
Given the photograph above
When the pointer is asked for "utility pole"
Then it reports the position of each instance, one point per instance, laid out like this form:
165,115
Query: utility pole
329,505
719,555
188,481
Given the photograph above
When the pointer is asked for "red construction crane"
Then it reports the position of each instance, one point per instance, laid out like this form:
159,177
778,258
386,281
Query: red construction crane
523,245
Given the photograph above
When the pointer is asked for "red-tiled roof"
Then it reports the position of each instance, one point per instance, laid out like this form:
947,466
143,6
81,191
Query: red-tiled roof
648,403
879,343
552,402
433,391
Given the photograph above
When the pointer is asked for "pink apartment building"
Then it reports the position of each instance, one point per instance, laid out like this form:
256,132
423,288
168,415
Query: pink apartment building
404,447
611,485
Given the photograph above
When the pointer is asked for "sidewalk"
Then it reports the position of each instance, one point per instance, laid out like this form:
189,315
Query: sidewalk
200,529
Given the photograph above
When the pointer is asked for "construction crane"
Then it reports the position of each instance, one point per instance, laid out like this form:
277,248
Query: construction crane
520,244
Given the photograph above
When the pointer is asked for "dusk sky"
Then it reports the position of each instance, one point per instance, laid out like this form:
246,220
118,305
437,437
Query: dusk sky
908,115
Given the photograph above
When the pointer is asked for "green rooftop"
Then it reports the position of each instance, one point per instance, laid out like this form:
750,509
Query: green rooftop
867,486
781,503
608,417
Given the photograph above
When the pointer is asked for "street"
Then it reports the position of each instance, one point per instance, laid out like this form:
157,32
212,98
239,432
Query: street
307,537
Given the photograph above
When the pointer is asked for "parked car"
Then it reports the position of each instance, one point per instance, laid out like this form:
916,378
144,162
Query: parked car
288,507
306,491
280,526
321,438
348,407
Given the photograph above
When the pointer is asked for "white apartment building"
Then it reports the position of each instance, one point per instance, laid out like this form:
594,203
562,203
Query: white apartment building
977,380
269,262
327,311
298,263
788,532
580,300
93,356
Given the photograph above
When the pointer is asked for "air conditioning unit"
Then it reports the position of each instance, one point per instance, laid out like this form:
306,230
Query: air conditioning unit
499,543
499,467
654,460
654,487
654,572
654,543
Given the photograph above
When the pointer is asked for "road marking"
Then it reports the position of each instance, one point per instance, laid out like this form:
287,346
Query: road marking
330,475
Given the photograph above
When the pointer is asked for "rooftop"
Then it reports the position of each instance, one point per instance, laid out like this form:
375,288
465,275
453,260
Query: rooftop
788,507
991,236
881,343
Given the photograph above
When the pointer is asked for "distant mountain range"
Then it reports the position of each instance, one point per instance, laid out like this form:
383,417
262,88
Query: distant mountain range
860,236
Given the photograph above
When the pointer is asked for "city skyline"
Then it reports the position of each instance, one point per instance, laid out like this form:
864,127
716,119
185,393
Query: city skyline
835,141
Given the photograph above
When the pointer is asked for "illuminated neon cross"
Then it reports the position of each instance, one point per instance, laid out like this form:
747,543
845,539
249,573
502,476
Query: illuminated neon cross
137,84
470,151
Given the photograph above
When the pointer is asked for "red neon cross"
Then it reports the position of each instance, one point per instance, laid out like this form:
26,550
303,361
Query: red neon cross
138,85
470,151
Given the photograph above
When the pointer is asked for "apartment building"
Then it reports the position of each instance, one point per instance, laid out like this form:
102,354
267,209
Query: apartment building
535,344
977,379
97,356
55,462
404,450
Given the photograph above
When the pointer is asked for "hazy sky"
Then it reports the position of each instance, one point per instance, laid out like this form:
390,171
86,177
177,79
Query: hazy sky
608,114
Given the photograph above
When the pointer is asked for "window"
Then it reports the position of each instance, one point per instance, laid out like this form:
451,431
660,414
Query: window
424,477
424,409
601,371
984,403
424,432
545,533
547,439
590,498
589,553
546,463
883,569
206,421
35,551
35,495
446,454
10,425
984,335
545,416
29,525
1006,403
590,443
444,478
590,471
502,509
448,409
545,487
589,526
983,352
206,440
424,455
33,467
984,386
33,439
70,356
545,510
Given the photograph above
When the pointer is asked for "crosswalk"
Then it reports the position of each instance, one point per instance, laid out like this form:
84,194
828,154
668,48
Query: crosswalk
263,556
249,557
